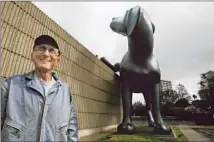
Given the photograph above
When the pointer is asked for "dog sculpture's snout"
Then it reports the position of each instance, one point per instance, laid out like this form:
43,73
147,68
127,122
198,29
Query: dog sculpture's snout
111,25
113,18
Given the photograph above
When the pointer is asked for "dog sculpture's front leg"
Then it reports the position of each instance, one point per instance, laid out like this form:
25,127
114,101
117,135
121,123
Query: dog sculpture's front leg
160,127
126,127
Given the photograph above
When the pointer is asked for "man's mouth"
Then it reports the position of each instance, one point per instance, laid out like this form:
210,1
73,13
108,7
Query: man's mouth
44,60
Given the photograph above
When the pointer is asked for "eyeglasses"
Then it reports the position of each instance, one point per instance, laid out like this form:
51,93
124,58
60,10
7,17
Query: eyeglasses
51,50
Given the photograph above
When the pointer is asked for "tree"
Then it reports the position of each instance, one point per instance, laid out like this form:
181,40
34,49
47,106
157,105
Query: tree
182,92
203,104
168,97
183,102
194,96
138,109
206,91
138,104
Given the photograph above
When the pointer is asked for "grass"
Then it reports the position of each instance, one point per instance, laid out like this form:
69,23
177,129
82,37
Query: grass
164,118
145,133
126,138
180,136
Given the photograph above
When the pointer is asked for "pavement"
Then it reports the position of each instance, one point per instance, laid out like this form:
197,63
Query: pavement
192,135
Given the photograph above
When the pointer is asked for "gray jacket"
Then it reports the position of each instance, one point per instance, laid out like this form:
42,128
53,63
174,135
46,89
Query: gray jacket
27,115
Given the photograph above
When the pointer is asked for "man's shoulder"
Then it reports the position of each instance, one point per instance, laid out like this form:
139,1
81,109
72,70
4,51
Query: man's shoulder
64,84
14,77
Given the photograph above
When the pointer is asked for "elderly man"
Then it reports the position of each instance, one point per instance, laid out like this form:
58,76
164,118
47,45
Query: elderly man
37,106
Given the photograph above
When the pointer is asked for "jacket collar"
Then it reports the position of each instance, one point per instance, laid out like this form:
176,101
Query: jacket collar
30,76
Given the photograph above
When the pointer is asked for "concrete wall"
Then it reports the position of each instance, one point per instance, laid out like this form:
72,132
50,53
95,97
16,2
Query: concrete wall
95,91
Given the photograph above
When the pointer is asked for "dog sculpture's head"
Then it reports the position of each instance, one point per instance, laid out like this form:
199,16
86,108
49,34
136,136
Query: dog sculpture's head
135,17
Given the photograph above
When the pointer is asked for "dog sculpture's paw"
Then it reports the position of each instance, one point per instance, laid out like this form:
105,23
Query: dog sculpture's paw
161,129
151,123
126,128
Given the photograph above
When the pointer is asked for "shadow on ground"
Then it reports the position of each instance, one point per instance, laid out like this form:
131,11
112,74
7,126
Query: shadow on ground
142,133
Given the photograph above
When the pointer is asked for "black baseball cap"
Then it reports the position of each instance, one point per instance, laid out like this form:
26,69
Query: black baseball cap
46,39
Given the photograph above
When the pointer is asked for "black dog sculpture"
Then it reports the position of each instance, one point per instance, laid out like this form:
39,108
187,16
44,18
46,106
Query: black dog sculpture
139,70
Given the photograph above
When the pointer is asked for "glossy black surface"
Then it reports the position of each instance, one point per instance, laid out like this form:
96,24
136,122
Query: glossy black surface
139,69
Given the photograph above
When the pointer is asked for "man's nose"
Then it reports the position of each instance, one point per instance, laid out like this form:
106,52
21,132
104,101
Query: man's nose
46,52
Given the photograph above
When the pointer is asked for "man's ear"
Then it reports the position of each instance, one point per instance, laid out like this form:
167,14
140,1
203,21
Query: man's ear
132,19
59,58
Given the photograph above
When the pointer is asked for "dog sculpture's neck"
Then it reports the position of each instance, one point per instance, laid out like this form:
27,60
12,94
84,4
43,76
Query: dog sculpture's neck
140,45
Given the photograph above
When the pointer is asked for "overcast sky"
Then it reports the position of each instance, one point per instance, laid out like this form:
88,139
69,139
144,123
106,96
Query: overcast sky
184,35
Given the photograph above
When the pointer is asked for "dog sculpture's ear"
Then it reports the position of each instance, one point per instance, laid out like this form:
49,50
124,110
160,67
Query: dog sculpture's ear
153,27
131,19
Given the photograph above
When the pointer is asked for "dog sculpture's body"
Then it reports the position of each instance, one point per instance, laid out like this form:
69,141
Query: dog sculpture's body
139,70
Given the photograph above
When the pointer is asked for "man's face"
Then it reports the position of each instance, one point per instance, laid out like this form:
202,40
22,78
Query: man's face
45,57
